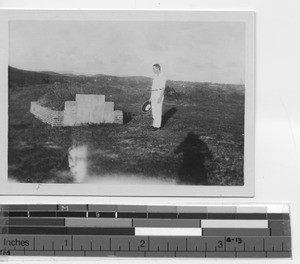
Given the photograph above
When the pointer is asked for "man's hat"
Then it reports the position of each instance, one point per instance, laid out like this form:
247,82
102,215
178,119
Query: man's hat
146,107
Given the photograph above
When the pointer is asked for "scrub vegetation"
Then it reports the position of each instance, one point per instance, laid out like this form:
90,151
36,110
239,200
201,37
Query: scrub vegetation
201,141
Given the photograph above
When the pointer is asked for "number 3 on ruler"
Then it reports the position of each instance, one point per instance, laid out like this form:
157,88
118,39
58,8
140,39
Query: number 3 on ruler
220,244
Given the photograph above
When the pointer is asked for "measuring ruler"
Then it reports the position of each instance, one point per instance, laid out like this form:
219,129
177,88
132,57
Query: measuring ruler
259,231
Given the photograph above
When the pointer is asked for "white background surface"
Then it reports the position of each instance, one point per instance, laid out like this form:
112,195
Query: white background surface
277,108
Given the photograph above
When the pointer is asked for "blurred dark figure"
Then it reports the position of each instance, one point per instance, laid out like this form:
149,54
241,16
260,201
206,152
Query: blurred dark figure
127,117
193,169
167,115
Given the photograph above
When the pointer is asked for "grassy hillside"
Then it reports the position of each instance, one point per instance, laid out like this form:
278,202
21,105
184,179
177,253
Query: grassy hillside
201,142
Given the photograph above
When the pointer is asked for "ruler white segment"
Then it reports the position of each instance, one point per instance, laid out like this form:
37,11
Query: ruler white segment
252,209
97,222
276,208
141,231
221,209
234,223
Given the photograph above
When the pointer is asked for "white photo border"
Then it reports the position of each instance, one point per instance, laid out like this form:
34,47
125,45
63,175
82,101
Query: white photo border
247,190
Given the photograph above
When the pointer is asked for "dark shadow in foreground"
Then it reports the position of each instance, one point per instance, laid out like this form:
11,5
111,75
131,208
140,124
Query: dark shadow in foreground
167,115
196,153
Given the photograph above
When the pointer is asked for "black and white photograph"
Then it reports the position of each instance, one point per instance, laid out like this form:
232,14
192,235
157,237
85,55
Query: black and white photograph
156,101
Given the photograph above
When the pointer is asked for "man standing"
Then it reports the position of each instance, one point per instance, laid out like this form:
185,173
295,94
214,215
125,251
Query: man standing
157,96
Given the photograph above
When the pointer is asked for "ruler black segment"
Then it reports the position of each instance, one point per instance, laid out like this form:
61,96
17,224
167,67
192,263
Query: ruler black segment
102,214
43,214
100,231
248,216
36,222
15,214
235,232
131,215
36,230
192,216
162,215
166,223
221,216
278,216
70,214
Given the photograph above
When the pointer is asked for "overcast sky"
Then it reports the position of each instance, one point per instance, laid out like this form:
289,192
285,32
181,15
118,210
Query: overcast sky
188,51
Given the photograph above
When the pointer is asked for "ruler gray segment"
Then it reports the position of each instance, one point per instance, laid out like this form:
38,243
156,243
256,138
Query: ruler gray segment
251,254
221,209
17,253
235,231
102,208
14,207
162,209
191,209
278,243
39,253
190,254
280,227
70,253
215,243
130,254
220,254
91,243
196,244
205,244
132,208
130,243
234,243
279,254
42,207
160,254
100,253
72,207
53,242
4,221
166,223
17,242
167,243
98,222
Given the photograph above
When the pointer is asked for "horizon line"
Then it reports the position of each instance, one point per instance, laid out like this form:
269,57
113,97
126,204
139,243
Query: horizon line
120,76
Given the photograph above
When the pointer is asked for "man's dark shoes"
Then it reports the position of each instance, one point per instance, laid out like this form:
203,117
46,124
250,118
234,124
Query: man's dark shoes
155,128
